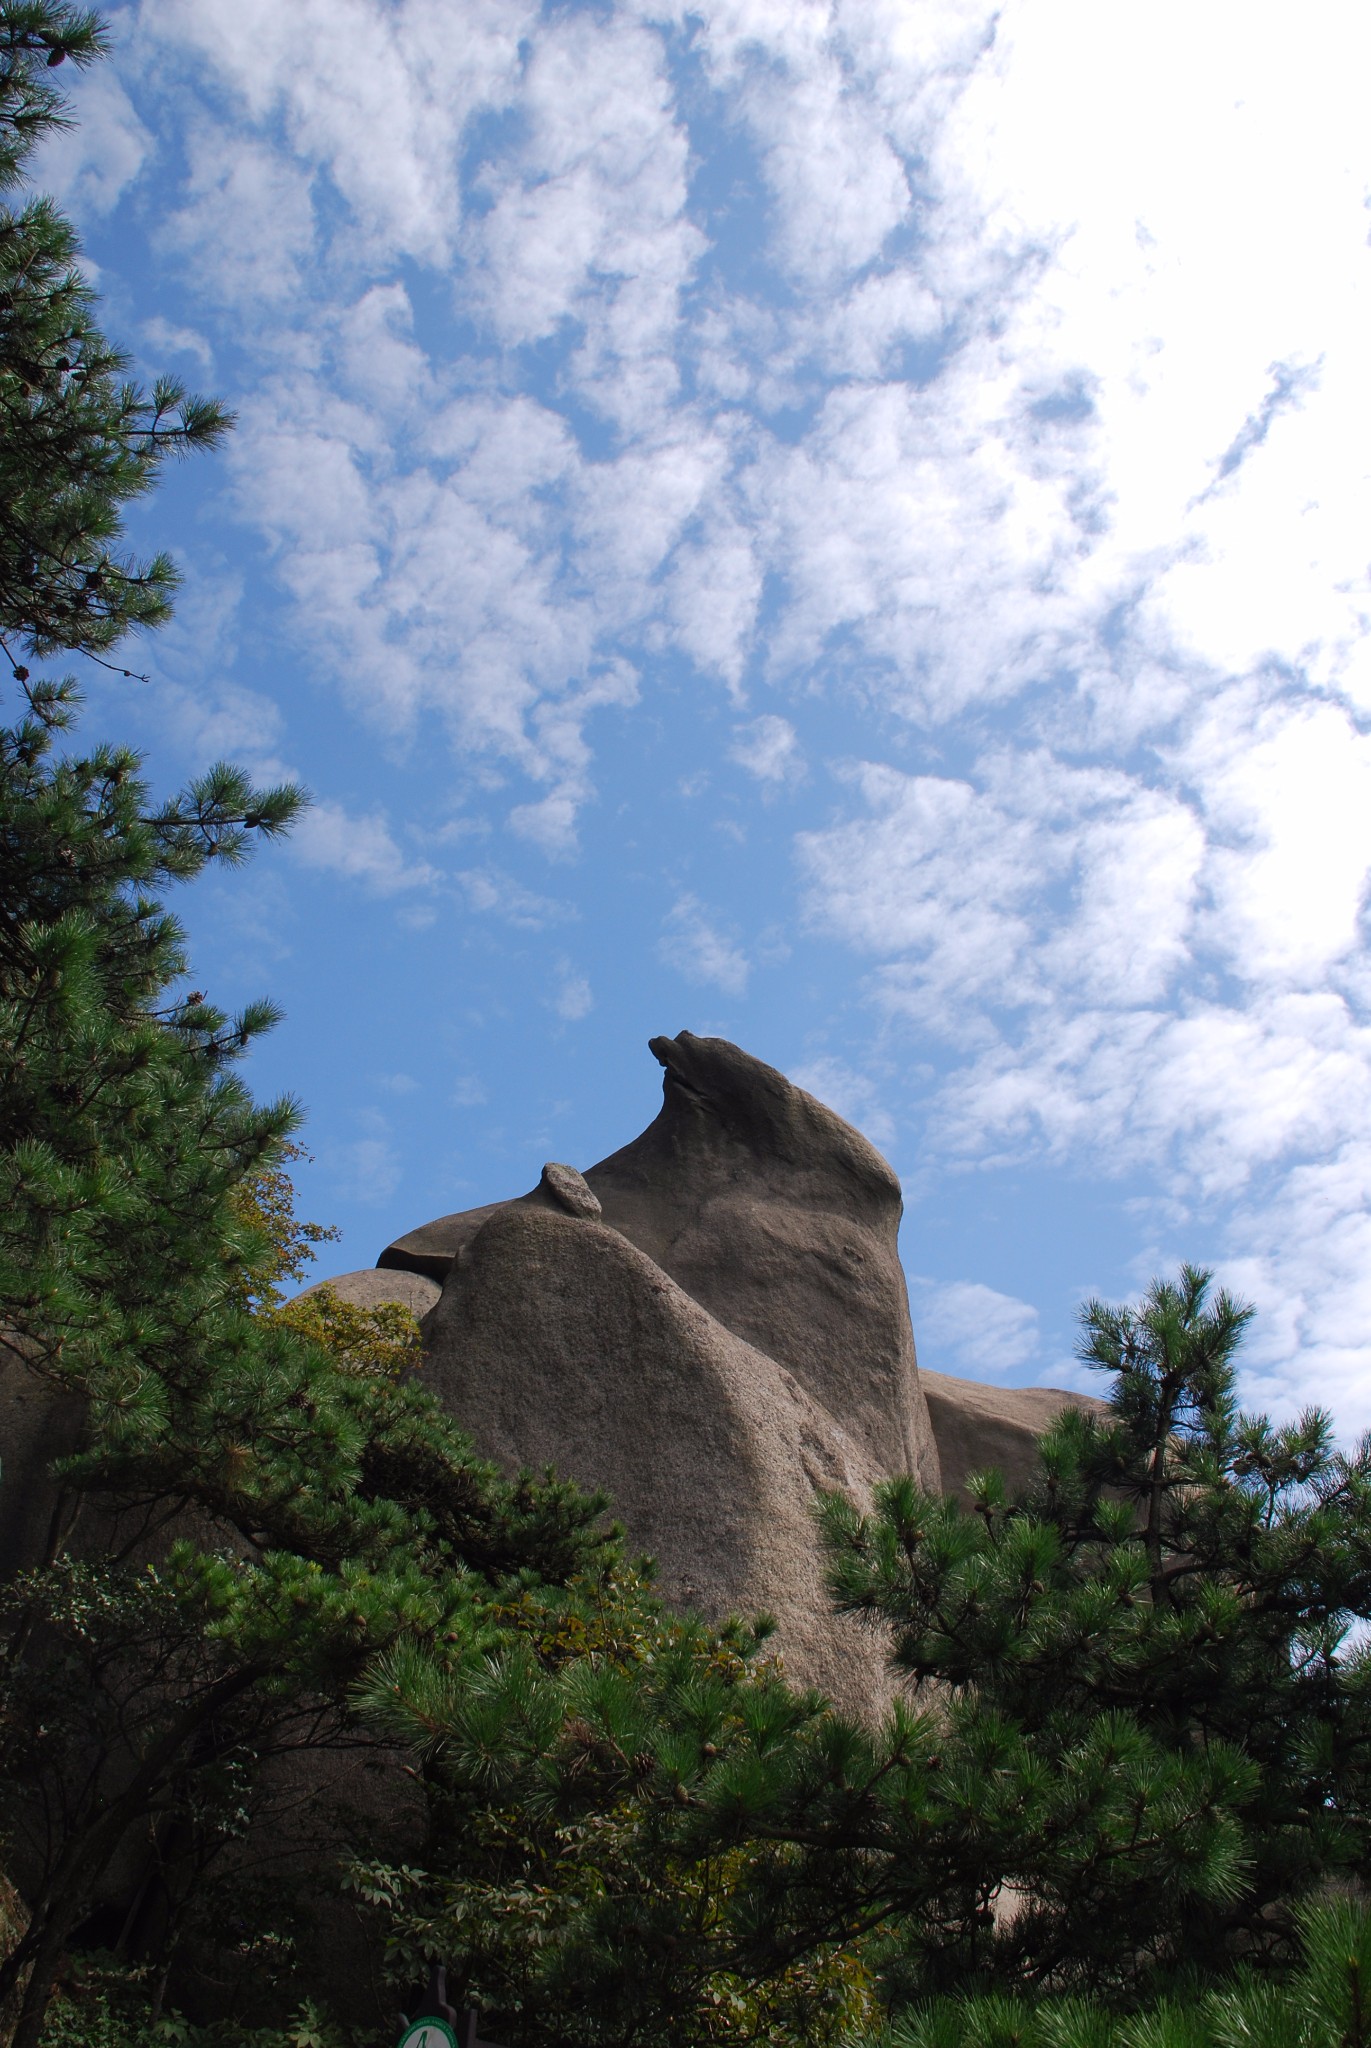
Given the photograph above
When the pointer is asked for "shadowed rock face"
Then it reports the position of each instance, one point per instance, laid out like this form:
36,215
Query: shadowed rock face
977,1425
38,1425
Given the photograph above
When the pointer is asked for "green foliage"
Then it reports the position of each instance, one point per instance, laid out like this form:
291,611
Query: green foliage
78,440
285,1244
327,1506
1139,1737
592,1862
1142,1741
106,2004
254,1505
1174,1596
1321,2005
35,37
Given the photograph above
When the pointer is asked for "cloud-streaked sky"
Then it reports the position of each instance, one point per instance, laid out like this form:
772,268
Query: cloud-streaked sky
842,525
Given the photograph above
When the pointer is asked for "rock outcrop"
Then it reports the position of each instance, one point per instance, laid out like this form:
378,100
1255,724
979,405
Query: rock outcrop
712,1323
773,1214
557,1341
976,1425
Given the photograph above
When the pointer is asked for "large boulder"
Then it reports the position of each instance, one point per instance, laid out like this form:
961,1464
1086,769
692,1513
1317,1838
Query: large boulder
711,1323
783,1221
772,1213
556,1341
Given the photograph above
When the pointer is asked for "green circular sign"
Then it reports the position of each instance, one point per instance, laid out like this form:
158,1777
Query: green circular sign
428,2034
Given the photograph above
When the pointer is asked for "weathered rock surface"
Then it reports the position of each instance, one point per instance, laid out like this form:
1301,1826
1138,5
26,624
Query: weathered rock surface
777,1217
431,1249
556,1341
978,1425
569,1190
712,1324
374,1288
782,1221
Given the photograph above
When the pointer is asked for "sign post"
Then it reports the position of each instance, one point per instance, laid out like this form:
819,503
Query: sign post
438,2024
428,2034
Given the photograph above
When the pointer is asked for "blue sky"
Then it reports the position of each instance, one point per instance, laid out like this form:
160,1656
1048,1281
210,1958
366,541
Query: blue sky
839,525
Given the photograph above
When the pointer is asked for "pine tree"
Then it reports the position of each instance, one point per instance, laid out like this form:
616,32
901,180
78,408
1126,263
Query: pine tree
599,1792
1138,1738
333,1507
78,440
1180,1589
256,1505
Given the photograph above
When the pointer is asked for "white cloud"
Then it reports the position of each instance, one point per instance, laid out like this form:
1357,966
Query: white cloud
368,1170
359,849
496,894
1287,790
713,587
943,428
966,1328
1222,1091
839,186
861,334
438,589
769,749
695,946
248,225
1041,880
587,220
165,338
90,165
224,723
549,823
571,996
379,363
1304,1256
380,103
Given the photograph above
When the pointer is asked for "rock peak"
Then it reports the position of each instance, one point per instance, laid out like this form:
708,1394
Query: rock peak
754,1108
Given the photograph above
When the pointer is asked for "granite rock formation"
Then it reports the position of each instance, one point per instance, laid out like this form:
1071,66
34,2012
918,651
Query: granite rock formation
773,1214
711,1323
975,1425
557,1341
